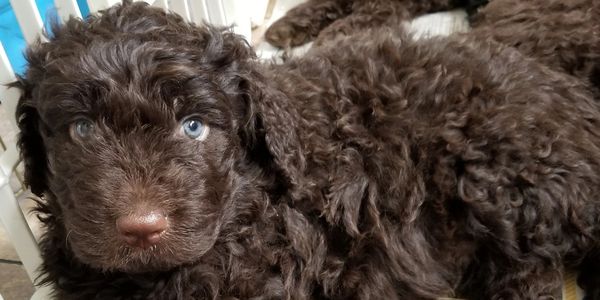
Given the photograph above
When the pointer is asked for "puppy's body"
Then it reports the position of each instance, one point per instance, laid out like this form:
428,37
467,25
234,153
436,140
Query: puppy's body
379,169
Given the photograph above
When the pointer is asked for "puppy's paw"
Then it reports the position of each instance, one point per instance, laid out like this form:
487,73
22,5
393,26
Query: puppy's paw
285,33
329,35
337,29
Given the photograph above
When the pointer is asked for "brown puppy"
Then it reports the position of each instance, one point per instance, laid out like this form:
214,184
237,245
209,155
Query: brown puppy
174,165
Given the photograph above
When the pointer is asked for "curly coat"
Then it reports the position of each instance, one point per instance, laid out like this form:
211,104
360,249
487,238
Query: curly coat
376,168
564,35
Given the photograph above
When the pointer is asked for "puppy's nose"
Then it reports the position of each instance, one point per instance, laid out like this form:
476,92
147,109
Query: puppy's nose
142,230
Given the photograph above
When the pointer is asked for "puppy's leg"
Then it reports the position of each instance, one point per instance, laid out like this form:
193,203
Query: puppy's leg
328,19
589,275
365,14
372,14
303,23
564,35
511,280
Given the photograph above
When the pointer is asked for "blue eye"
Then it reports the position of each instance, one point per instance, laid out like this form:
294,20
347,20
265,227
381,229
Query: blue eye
82,128
194,129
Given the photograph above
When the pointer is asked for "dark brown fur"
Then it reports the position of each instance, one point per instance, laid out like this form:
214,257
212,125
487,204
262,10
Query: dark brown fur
375,168
564,35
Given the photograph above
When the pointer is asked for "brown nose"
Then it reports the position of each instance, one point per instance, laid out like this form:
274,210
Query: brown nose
142,230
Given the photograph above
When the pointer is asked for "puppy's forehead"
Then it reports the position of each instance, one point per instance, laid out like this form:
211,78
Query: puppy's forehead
129,80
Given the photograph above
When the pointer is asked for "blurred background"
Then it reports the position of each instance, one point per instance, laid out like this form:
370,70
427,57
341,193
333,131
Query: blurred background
11,36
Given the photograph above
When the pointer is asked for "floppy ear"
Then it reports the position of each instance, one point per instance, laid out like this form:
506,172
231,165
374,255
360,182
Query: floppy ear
267,120
272,125
30,141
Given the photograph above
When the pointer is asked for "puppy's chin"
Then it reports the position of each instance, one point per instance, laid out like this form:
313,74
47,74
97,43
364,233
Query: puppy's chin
116,256
135,261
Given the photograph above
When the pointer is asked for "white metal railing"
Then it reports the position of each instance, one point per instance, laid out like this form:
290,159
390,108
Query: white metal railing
11,215
67,8
29,18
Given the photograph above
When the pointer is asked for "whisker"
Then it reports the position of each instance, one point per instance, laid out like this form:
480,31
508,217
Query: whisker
67,238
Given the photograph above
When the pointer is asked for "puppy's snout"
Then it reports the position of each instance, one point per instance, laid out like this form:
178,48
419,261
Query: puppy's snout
142,230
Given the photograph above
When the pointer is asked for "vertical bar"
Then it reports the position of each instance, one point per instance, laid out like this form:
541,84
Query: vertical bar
181,7
96,5
29,19
67,8
161,3
259,11
216,12
199,11
18,230
42,293
237,13
9,96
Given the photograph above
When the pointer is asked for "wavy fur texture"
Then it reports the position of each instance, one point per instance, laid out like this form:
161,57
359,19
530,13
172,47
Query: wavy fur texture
376,168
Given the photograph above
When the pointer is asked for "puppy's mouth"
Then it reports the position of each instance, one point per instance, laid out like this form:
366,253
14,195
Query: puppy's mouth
154,258
144,244
135,256
170,251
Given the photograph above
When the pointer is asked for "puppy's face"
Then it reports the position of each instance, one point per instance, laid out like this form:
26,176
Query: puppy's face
140,139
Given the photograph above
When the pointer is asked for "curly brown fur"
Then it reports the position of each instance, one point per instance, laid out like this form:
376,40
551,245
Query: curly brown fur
376,168
564,35
326,20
